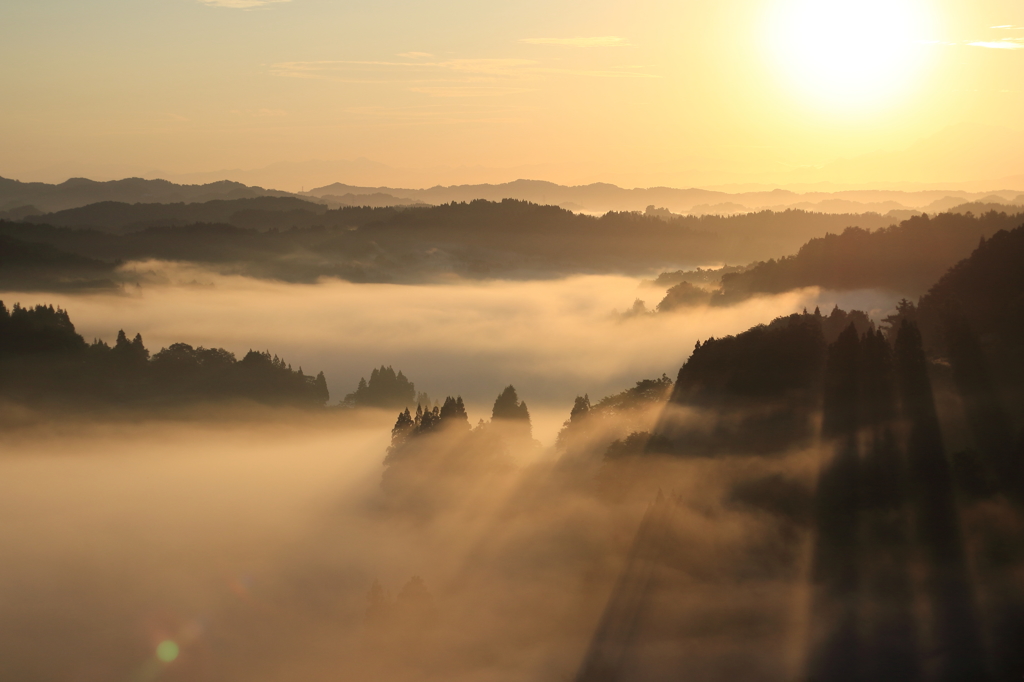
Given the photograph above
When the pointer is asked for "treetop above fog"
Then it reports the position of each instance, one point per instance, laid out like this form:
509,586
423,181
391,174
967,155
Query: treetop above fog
45,360
386,389
508,406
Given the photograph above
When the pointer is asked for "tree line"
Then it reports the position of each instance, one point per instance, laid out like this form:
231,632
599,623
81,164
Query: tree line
45,361
907,258
286,238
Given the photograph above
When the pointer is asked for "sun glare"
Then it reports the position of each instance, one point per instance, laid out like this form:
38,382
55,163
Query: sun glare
853,54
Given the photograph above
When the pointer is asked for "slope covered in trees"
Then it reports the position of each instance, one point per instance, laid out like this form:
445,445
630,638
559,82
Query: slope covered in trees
770,380
30,265
914,572
262,212
281,238
905,258
987,289
974,316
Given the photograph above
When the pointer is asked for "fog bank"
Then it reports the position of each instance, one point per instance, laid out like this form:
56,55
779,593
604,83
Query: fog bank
552,339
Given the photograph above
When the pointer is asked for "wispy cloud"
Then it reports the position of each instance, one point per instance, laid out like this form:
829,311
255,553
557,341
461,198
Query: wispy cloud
260,113
597,41
1015,43
449,75
466,90
414,55
458,109
1004,44
241,4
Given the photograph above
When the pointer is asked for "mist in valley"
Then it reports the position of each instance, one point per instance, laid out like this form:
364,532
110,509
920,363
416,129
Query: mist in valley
272,546
268,543
539,491
552,339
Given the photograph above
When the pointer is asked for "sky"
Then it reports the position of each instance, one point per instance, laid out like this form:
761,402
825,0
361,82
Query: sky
639,94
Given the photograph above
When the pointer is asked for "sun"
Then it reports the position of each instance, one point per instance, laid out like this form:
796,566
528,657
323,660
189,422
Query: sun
848,53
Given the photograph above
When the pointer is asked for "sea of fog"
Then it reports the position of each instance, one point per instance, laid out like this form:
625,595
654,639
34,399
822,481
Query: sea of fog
256,546
263,549
552,339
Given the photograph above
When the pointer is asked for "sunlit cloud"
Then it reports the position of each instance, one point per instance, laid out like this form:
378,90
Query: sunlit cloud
1014,43
460,71
467,91
260,113
598,41
476,105
1005,44
414,55
241,4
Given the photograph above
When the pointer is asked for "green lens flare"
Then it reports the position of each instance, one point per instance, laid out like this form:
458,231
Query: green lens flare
167,651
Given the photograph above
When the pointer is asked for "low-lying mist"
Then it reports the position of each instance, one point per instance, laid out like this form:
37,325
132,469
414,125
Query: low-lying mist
266,549
552,339
275,544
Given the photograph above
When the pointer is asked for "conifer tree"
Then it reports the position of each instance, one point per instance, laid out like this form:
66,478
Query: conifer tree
508,406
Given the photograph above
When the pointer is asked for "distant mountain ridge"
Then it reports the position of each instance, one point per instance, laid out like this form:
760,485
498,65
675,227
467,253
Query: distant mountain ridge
78,192
602,197
22,199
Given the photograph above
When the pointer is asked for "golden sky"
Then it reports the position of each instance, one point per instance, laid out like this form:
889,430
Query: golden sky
639,93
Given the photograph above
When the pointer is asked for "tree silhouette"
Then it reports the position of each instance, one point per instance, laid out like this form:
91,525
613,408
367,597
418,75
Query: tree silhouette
905,310
507,406
42,358
385,389
683,295
449,417
453,412
42,329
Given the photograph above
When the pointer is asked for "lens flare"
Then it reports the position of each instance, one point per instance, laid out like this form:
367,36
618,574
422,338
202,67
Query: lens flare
167,651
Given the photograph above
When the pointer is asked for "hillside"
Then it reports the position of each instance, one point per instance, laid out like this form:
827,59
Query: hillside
905,258
286,239
115,216
37,266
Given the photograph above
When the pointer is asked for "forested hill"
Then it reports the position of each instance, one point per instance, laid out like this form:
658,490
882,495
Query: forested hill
987,289
905,258
256,212
974,315
969,326
29,266
477,239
